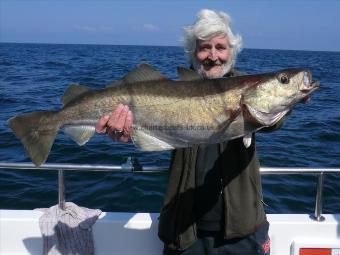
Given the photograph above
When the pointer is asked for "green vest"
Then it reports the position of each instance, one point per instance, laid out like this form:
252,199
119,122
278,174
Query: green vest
243,200
243,211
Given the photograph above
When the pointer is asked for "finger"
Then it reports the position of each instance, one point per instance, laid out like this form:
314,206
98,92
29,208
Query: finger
116,113
117,121
101,124
112,123
128,123
127,128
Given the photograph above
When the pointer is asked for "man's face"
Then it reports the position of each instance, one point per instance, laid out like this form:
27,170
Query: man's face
213,57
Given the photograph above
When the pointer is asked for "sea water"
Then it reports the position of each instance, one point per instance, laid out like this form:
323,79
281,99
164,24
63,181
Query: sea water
33,77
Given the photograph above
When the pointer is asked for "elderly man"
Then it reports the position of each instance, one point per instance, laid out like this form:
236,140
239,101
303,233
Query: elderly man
213,204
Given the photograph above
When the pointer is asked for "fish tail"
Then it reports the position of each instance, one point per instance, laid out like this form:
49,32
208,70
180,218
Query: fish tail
37,132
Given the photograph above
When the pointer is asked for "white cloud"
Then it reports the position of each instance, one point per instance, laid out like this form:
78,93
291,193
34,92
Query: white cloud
85,28
93,28
106,28
150,27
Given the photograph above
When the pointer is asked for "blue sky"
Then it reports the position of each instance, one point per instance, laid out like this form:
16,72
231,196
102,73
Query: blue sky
290,24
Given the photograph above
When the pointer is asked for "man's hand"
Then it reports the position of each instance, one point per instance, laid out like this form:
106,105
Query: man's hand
117,125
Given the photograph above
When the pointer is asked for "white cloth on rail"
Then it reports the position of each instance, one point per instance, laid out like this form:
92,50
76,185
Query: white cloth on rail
68,231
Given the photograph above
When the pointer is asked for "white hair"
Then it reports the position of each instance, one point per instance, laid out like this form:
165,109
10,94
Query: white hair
208,24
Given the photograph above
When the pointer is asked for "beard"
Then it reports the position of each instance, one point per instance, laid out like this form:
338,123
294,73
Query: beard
200,67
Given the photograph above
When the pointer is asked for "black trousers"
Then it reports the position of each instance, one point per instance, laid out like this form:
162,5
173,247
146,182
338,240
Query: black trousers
213,243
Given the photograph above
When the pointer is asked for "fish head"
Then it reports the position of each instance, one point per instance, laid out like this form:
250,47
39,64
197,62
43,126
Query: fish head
276,94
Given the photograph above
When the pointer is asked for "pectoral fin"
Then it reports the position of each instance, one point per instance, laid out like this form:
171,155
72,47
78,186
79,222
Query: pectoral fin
226,118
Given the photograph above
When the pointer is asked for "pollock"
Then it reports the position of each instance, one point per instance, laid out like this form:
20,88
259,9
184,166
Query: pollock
167,113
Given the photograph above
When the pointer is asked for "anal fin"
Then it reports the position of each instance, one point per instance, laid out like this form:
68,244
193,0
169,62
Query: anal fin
81,134
147,142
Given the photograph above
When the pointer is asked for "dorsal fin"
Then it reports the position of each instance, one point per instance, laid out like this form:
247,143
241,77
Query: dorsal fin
186,74
73,91
115,83
143,72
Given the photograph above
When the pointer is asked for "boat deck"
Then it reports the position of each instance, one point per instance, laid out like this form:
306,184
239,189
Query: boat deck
136,233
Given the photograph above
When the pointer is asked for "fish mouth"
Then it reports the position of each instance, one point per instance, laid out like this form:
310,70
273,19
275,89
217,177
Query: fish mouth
308,86
306,93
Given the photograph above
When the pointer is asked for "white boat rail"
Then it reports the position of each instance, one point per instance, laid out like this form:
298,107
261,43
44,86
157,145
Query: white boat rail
134,167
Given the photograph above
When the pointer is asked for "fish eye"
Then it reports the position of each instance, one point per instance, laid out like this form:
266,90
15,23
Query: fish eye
283,78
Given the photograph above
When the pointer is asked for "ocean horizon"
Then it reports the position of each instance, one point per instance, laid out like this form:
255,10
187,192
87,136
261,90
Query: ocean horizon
142,45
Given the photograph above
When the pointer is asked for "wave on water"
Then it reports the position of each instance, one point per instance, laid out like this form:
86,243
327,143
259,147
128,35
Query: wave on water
4,62
5,100
56,64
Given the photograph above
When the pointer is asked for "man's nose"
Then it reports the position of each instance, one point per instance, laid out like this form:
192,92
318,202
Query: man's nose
213,54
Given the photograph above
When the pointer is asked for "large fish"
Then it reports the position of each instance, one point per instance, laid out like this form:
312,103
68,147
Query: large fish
170,114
